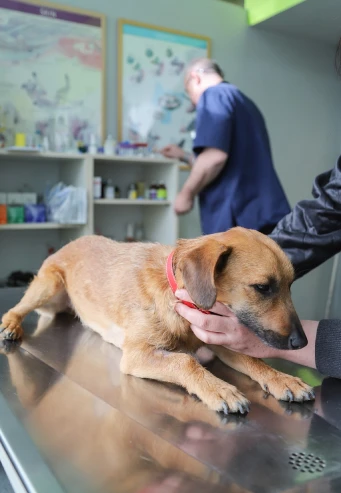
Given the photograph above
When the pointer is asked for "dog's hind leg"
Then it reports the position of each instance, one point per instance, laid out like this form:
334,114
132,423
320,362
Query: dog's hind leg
47,284
282,386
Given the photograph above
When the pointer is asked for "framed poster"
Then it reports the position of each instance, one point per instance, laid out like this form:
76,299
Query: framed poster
52,77
152,104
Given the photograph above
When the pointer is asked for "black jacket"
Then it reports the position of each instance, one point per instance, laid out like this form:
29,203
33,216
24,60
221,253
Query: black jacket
311,233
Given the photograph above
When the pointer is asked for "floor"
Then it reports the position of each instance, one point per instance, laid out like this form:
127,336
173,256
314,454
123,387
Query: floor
5,486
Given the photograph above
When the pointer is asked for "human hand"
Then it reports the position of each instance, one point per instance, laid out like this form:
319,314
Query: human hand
172,151
184,202
222,330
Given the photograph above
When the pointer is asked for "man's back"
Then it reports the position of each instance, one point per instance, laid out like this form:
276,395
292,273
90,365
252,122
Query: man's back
247,192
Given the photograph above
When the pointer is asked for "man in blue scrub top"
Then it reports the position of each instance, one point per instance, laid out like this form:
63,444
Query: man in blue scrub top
232,171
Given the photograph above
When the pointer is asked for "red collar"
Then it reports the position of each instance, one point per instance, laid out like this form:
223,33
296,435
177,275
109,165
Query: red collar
173,284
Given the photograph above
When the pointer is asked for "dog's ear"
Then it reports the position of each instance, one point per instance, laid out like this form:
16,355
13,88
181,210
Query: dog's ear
199,269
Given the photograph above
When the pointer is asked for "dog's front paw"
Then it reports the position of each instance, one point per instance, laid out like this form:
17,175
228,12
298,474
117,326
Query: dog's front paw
225,398
10,327
287,388
7,347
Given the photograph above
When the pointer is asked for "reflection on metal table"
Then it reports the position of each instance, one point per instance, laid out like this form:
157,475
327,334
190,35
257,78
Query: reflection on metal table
70,421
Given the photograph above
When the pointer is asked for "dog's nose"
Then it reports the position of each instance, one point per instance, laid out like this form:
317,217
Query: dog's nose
297,340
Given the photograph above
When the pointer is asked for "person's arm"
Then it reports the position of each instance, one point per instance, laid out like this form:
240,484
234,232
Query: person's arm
207,167
311,233
323,350
188,158
214,124
173,151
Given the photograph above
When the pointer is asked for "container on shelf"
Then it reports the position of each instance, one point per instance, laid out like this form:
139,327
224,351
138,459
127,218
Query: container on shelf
153,191
109,190
35,213
15,214
3,214
132,191
97,187
161,192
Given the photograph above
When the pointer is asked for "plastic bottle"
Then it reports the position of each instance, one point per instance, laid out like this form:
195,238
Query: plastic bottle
109,146
117,193
45,144
132,191
92,147
139,232
130,233
109,190
97,187
153,192
161,191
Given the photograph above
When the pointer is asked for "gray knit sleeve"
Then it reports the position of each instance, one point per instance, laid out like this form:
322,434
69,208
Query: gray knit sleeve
328,348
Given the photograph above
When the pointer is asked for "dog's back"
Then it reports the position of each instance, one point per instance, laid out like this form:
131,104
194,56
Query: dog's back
113,287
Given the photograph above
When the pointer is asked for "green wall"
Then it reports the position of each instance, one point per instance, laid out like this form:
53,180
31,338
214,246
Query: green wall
260,10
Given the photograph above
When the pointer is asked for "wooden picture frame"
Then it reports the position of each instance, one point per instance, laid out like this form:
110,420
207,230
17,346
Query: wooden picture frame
62,78
152,104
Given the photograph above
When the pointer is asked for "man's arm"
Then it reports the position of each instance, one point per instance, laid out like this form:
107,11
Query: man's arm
207,167
173,151
188,158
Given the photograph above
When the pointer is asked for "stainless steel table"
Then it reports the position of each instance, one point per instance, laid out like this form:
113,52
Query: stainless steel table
69,421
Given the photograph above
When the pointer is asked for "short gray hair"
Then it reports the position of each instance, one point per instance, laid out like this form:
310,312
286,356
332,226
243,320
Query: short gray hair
205,65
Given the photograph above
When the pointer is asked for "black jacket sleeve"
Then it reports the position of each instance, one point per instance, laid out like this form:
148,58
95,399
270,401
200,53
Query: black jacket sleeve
328,348
311,233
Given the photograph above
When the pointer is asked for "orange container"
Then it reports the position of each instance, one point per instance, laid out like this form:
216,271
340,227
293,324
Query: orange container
3,214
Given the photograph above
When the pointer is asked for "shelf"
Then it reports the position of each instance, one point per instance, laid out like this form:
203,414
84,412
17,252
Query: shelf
131,202
132,159
17,226
99,158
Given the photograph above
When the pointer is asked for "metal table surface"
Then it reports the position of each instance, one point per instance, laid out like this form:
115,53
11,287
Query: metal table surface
70,421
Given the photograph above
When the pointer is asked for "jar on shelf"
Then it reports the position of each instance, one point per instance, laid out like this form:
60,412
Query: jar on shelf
132,191
161,191
139,232
97,187
130,233
153,192
109,190
117,192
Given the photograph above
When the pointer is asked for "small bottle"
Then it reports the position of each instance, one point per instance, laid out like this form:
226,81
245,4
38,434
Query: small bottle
162,191
139,232
132,191
117,192
109,146
109,191
92,147
153,191
97,187
130,233
103,188
45,144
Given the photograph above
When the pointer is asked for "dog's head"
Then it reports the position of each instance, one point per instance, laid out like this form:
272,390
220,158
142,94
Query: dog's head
250,274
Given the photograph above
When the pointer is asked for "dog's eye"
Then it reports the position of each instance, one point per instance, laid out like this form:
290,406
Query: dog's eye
262,288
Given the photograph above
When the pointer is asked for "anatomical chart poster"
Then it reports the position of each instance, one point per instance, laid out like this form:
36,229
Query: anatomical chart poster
51,75
154,106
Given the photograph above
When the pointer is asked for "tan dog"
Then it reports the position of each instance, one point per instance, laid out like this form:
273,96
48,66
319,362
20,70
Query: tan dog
122,292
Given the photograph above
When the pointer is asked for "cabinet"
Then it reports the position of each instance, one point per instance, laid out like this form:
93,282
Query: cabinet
24,246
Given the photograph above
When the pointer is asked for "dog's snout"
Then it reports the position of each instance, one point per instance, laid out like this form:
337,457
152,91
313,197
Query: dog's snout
297,338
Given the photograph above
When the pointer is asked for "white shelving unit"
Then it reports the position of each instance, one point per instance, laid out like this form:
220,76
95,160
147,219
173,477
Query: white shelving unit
31,226
24,246
131,202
